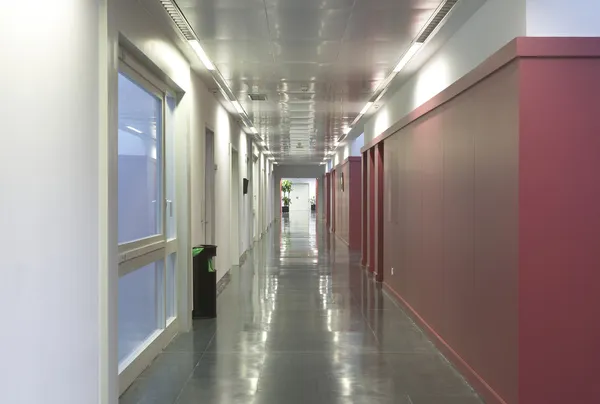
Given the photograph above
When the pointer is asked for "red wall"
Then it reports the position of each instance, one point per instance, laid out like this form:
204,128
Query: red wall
348,202
451,225
364,211
492,221
371,208
559,230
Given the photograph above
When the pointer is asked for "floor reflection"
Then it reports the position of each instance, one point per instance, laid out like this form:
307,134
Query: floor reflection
300,322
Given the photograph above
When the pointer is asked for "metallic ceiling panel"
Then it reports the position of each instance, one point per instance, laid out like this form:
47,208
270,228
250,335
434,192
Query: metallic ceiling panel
237,51
317,61
316,24
203,5
318,4
368,24
229,24
306,51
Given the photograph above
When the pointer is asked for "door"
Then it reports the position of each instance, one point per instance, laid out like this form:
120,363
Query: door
236,190
300,197
209,189
255,197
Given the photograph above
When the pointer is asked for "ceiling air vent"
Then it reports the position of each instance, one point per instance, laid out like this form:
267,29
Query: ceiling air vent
178,18
438,17
257,97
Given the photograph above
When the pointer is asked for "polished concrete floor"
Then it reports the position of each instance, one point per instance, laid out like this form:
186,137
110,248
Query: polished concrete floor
300,322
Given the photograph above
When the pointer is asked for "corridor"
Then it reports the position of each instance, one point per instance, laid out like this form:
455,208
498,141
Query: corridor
300,322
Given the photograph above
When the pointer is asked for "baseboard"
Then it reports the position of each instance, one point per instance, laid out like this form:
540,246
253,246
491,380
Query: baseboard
477,382
223,282
341,239
243,257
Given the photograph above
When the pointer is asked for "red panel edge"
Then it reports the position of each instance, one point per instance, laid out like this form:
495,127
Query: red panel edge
346,161
520,47
476,381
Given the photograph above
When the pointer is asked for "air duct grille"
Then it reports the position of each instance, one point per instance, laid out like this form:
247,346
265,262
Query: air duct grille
257,97
178,18
441,13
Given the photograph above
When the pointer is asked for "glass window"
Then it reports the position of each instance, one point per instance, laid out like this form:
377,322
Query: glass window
171,285
140,162
139,296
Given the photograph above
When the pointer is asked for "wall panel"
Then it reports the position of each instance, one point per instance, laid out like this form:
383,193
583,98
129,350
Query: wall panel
453,231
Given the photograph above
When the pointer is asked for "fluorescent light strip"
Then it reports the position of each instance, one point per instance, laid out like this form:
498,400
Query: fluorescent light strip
408,55
366,108
238,107
134,129
428,30
201,54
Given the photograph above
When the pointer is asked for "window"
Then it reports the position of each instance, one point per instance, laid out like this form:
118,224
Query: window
140,162
171,304
146,209
139,295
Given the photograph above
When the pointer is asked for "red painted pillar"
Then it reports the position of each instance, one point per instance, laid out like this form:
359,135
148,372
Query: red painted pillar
334,182
327,199
378,270
371,208
364,212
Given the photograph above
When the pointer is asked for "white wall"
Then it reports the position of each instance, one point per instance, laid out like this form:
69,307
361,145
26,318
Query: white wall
208,112
66,158
563,18
51,189
350,148
494,24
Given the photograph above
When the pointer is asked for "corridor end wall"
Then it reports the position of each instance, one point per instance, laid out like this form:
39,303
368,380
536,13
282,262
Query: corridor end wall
294,171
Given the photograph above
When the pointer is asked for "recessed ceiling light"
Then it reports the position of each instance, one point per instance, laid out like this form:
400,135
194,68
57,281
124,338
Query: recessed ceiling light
238,107
201,54
412,51
366,108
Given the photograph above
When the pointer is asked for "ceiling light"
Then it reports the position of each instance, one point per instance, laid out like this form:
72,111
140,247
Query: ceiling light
238,107
347,130
134,129
412,51
366,108
201,54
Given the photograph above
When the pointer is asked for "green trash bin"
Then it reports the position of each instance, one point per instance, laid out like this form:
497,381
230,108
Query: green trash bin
205,282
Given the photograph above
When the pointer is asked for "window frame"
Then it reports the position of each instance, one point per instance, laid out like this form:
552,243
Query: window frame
136,254
137,248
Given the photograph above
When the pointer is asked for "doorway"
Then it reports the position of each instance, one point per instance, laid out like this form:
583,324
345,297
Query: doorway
255,197
209,188
235,208
300,197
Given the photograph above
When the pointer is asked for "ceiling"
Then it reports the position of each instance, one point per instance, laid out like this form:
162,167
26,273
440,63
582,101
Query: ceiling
317,62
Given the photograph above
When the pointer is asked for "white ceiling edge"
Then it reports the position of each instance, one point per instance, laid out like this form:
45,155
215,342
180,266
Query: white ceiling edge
462,12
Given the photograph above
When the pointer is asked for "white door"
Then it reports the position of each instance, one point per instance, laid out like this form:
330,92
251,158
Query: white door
255,196
300,196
